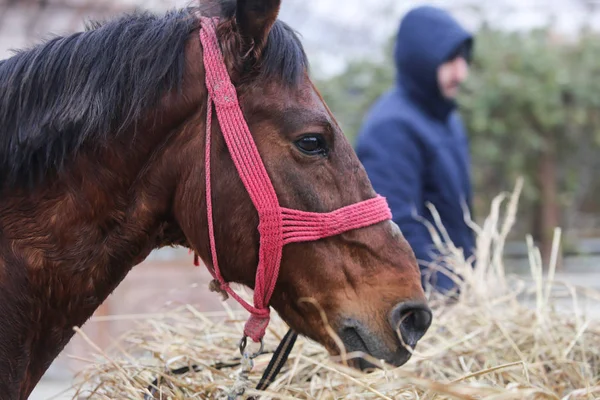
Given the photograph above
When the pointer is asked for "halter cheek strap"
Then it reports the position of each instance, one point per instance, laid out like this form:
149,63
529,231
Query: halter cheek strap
277,226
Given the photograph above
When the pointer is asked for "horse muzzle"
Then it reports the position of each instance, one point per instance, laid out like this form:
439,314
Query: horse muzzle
409,320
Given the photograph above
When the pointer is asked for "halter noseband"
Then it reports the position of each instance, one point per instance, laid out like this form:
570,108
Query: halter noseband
277,226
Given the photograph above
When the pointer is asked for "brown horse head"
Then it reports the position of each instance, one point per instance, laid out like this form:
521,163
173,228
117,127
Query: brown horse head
365,280
102,161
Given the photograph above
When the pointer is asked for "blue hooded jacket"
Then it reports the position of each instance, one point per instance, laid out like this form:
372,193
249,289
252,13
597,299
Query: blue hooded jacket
412,143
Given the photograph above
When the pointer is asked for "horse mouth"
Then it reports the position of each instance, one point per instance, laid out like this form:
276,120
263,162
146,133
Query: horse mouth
357,338
352,340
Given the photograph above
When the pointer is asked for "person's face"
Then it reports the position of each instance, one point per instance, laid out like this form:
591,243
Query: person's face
451,75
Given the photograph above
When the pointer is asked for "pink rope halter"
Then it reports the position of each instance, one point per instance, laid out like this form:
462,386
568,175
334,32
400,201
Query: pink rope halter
277,225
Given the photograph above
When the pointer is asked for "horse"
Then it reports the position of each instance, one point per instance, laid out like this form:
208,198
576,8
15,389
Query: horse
104,158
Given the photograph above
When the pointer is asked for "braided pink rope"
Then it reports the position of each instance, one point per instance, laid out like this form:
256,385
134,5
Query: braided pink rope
277,226
303,226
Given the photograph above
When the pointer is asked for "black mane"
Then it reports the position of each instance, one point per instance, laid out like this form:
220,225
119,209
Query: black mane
87,86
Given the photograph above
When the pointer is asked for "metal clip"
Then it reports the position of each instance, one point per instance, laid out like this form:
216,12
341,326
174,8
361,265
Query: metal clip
243,343
242,381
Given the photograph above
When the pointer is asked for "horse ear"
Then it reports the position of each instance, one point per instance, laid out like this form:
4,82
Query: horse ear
255,19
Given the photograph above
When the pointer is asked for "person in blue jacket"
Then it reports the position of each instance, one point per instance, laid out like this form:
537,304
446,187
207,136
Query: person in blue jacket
412,142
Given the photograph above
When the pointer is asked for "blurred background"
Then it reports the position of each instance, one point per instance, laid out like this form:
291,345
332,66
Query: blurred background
531,107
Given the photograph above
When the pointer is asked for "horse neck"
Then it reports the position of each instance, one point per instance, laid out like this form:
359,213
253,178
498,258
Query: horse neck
65,246
63,249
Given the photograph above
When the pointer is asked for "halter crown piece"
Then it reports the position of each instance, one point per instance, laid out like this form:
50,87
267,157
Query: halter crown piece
277,226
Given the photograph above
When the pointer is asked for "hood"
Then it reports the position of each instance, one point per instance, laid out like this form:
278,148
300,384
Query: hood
426,38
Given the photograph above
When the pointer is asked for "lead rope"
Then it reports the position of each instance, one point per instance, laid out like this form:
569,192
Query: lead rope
278,360
242,381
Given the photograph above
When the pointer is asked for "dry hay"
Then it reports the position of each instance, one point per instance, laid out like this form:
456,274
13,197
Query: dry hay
503,339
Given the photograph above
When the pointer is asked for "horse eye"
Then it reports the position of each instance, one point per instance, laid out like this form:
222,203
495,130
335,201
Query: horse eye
312,145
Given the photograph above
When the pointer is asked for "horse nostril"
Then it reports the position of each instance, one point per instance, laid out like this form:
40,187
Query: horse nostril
412,319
